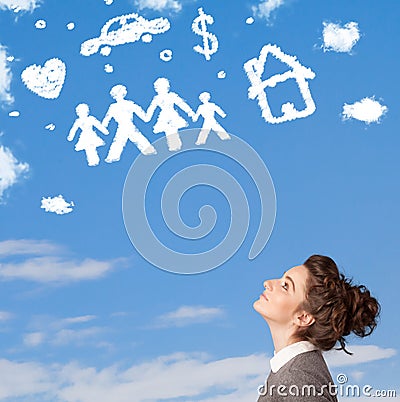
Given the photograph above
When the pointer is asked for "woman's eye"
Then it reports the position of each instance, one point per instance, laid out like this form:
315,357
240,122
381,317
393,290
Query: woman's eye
284,285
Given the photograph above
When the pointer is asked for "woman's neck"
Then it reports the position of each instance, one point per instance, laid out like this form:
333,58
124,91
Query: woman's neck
281,337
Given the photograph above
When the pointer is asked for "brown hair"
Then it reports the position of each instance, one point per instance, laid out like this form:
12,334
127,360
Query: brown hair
338,306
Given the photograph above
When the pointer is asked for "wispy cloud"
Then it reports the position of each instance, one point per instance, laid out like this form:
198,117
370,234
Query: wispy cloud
27,247
357,374
33,339
187,315
58,332
339,38
367,110
76,320
62,333
361,354
78,337
45,268
5,315
181,375
19,5
159,5
11,170
266,8
5,76
55,269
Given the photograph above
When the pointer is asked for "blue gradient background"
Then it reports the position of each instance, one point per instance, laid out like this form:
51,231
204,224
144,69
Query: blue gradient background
336,181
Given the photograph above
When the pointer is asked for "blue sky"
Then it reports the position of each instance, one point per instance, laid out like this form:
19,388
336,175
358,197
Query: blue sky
83,316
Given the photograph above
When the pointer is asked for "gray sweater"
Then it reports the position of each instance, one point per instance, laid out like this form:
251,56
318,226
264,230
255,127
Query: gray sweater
305,378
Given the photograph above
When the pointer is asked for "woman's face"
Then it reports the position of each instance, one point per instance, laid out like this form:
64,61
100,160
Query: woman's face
281,297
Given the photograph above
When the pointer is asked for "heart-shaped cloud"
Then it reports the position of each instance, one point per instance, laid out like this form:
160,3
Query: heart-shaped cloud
46,81
340,38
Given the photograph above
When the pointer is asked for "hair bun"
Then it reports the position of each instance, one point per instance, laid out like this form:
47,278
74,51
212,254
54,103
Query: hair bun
363,310
338,306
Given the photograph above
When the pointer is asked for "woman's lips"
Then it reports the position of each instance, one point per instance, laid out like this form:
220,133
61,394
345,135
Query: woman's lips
263,296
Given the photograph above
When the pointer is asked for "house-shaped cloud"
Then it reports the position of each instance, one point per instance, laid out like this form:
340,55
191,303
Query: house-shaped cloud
255,68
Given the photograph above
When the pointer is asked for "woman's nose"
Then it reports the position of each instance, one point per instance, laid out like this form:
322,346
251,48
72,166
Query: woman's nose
267,285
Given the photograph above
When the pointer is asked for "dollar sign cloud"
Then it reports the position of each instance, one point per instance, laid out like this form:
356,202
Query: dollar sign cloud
210,41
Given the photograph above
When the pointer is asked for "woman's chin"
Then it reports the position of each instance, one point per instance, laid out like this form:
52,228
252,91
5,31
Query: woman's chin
257,306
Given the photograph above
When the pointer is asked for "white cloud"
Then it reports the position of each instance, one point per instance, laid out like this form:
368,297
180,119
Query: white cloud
62,334
19,379
45,268
187,315
27,247
57,205
57,332
34,339
19,5
367,110
55,269
77,336
11,170
5,316
77,320
159,5
361,354
5,76
357,374
181,375
266,7
340,38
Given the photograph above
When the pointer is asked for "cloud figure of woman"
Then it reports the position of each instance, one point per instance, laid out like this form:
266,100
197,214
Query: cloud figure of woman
169,121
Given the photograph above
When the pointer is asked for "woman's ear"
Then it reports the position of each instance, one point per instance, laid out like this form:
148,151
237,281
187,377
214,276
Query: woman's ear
303,319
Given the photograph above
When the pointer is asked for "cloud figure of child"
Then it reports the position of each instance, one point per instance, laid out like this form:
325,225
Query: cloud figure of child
208,110
88,141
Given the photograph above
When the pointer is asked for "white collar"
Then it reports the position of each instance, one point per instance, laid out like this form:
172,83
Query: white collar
288,353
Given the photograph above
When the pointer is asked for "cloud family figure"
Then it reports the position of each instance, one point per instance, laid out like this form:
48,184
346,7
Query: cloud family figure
169,121
88,141
123,111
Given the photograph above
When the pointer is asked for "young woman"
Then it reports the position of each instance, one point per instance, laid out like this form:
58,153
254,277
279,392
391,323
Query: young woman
311,309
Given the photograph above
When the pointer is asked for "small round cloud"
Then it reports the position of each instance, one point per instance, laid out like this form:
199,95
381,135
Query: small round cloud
147,38
40,24
108,68
221,74
166,55
105,51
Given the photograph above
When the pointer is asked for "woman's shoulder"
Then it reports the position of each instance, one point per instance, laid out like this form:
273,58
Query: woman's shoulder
305,366
312,360
308,366
307,372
